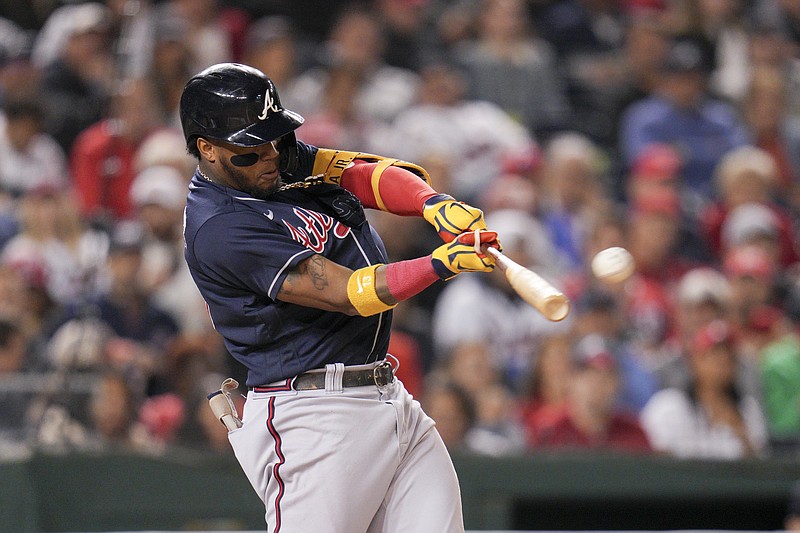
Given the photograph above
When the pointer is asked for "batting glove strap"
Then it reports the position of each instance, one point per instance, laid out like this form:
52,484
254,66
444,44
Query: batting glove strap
450,217
458,256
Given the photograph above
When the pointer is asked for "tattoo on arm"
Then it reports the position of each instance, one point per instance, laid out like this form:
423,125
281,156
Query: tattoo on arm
313,268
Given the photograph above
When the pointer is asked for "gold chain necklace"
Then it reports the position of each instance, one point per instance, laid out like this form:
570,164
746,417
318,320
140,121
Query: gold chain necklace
310,181
204,175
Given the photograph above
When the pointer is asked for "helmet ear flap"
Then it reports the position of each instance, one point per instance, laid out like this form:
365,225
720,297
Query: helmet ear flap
287,147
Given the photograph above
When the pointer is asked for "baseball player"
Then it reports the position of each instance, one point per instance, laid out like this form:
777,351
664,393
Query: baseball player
298,284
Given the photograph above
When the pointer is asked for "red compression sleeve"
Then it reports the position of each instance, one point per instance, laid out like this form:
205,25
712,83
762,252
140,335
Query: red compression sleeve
409,278
402,192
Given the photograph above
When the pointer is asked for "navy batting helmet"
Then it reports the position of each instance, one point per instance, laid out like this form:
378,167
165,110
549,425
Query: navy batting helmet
236,104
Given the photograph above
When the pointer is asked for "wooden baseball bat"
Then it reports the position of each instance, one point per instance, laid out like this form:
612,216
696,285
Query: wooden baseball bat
532,288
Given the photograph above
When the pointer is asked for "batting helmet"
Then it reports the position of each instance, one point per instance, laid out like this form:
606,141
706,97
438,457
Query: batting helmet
239,105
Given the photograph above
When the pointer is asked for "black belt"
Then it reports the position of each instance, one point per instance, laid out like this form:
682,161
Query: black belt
380,375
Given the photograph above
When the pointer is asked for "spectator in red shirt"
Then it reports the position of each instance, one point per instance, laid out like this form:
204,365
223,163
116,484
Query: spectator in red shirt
752,274
102,159
656,169
591,419
547,391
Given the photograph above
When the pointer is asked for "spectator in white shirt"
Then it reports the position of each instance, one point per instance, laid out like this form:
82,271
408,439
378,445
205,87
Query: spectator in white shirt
473,136
710,419
29,158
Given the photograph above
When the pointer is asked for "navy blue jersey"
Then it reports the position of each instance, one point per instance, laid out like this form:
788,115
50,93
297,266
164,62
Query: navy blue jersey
239,250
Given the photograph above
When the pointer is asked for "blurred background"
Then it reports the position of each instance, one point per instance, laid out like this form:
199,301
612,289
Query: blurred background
668,127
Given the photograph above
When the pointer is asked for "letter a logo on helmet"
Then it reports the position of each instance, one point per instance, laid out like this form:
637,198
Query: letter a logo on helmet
236,104
269,105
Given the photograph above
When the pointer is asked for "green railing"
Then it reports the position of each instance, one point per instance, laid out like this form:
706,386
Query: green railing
187,490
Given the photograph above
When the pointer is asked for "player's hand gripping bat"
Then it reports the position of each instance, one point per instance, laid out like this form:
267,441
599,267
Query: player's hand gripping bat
531,287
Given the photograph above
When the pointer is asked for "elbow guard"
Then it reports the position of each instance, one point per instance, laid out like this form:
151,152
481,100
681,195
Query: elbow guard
332,163
363,294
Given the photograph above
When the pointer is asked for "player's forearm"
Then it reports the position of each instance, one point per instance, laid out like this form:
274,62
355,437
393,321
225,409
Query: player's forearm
401,280
378,288
391,189
405,279
322,284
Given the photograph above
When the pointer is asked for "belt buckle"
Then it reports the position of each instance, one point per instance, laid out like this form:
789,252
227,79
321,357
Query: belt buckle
380,378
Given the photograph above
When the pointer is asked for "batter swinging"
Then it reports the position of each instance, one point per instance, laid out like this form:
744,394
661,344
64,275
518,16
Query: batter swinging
296,282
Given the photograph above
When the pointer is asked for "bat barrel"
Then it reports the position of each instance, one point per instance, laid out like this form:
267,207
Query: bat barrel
555,307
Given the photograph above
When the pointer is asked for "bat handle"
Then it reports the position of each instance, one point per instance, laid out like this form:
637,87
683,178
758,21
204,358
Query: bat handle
501,261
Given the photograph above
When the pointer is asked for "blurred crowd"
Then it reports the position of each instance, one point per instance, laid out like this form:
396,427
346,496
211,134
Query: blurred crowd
668,127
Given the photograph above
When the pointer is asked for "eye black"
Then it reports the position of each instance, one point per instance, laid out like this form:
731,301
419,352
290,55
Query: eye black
245,160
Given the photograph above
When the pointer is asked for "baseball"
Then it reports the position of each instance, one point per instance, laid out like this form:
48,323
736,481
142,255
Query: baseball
613,265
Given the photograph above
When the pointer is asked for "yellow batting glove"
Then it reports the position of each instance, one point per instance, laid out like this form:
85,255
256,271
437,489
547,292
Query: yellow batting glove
461,255
450,217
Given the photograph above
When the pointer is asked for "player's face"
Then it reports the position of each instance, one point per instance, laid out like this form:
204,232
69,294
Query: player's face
251,169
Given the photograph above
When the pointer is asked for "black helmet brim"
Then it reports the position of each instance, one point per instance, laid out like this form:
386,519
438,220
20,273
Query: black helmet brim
264,131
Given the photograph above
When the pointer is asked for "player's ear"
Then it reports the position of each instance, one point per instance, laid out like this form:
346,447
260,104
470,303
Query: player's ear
206,149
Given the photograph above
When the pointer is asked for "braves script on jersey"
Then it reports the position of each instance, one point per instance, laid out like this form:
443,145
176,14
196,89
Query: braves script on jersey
239,247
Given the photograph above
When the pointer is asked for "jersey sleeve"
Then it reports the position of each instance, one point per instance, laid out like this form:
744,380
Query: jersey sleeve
243,251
